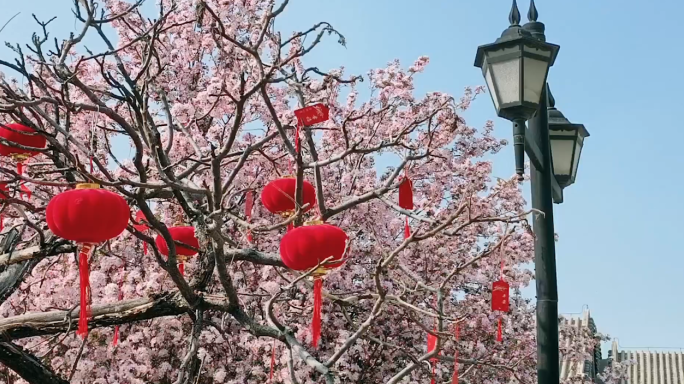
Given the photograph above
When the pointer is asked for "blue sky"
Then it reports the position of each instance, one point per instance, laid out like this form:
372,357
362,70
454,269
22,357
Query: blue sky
619,252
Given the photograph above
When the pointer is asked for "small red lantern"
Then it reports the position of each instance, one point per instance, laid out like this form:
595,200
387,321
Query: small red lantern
305,248
500,302
86,215
406,201
21,135
278,196
183,235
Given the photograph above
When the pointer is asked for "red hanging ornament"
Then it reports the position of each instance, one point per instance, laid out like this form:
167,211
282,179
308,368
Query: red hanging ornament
306,247
313,114
273,350
86,215
184,235
500,302
406,201
20,134
249,204
140,224
278,196
307,116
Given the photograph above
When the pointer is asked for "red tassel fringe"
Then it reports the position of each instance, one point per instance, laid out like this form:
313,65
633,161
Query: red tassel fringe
181,268
115,342
273,348
84,273
407,229
20,168
2,222
318,303
249,236
499,332
145,247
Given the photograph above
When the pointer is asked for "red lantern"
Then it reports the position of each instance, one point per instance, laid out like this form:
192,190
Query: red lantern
305,248
278,196
86,215
184,235
500,302
406,201
24,136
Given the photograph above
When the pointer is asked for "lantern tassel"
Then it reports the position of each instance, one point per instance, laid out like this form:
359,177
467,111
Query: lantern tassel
499,332
115,341
84,274
407,229
249,236
434,366
20,168
181,268
2,222
318,303
273,348
145,247
290,227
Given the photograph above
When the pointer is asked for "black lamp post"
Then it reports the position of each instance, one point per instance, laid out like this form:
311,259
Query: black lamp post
515,68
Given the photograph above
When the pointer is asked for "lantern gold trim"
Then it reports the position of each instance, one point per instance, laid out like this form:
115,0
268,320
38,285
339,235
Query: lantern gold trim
87,186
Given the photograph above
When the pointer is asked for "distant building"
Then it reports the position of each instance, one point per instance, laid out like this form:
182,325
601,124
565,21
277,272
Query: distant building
590,367
652,367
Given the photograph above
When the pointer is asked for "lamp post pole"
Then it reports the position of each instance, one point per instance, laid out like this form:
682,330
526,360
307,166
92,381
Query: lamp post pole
548,359
515,68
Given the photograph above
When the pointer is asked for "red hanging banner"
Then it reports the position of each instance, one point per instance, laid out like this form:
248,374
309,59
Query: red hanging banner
313,114
500,302
406,201
431,345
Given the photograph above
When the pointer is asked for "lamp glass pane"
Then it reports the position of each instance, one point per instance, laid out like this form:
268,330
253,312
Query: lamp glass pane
575,162
506,75
562,144
535,74
490,86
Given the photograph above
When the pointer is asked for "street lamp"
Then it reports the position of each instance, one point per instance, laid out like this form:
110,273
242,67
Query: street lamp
567,140
515,68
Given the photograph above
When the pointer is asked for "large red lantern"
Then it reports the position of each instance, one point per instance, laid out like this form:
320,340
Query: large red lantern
278,196
88,216
500,302
183,235
305,248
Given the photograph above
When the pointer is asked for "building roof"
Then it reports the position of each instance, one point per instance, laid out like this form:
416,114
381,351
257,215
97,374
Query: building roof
652,366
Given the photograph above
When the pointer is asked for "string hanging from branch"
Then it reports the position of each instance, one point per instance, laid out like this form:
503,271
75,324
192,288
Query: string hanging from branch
457,331
141,225
249,204
88,216
115,340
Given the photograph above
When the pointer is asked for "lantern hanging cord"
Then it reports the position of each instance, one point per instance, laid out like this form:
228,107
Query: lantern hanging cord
92,138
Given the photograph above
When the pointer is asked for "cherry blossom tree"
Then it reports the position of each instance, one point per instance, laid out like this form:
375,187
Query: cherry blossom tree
186,112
